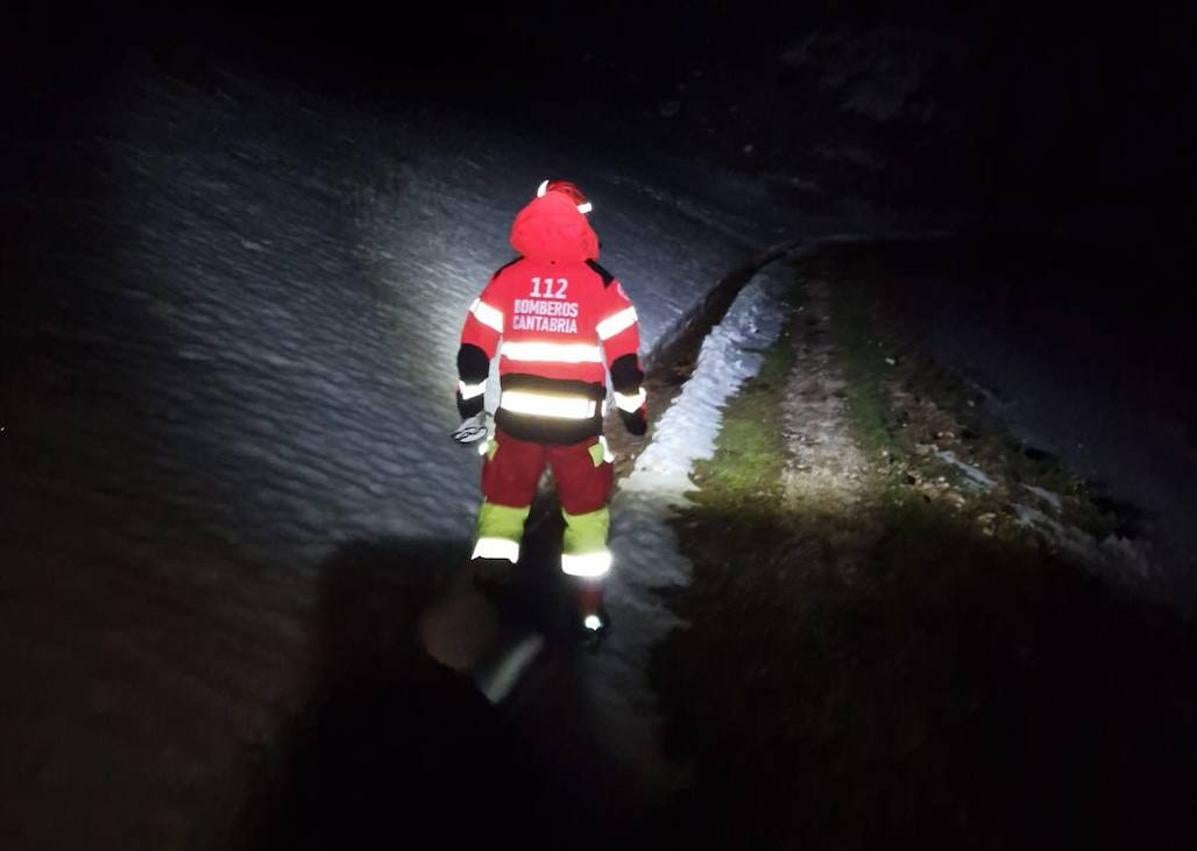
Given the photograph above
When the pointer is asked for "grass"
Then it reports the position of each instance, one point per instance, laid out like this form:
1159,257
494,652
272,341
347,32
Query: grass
904,406
885,673
751,451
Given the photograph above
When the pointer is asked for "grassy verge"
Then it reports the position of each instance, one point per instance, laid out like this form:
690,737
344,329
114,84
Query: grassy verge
908,411
890,671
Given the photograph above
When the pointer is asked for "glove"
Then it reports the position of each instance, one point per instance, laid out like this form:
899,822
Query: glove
473,429
635,422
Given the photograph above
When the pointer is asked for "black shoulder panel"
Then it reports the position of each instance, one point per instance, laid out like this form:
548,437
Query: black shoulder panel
603,273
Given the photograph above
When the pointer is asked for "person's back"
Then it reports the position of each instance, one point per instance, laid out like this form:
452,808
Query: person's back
560,324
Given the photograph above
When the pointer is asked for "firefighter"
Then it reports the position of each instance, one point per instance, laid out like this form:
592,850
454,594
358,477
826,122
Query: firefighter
560,324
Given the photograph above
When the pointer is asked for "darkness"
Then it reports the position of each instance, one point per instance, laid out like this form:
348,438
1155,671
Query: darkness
1077,117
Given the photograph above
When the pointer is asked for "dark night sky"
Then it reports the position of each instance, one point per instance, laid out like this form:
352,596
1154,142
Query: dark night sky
1077,105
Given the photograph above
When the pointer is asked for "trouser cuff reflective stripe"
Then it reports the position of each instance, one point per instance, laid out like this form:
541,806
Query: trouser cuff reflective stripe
500,548
587,565
585,544
500,530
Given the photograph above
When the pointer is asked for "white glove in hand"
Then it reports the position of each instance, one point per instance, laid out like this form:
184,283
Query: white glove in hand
473,429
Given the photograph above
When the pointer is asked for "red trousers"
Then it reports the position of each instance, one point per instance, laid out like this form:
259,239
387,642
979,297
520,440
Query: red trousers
512,471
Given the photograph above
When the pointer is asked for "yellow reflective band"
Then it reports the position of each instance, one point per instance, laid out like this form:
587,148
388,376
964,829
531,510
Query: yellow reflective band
552,352
471,391
590,565
631,403
615,323
548,405
487,315
497,548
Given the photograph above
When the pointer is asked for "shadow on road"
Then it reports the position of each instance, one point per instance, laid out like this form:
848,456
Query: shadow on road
392,745
896,676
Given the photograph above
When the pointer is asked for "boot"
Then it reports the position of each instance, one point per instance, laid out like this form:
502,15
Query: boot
594,622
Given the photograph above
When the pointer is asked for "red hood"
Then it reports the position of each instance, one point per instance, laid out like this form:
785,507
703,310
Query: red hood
551,228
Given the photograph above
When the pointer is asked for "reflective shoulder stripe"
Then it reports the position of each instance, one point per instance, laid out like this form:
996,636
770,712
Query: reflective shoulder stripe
551,352
616,322
589,565
489,316
551,405
471,391
631,403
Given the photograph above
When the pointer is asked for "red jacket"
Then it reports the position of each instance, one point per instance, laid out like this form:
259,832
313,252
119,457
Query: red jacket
560,324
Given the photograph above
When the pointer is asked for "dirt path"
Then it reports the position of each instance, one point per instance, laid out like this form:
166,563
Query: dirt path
823,461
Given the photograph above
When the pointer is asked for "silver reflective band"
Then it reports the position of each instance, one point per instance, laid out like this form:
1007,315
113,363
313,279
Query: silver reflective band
487,315
615,323
471,391
548,405
543,190
632,403
497,548
590,565
593,623
552,352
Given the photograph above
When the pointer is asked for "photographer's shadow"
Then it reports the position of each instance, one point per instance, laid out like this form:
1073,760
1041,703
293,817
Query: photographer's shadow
393,743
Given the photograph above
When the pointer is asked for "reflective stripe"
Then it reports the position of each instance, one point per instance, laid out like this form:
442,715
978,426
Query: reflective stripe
608,455
497,548
552,352
542,190
487,315
470,391
590,565
615,323
632,403
548,405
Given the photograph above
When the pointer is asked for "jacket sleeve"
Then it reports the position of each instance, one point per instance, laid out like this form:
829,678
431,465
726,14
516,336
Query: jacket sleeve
619,330
480,337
